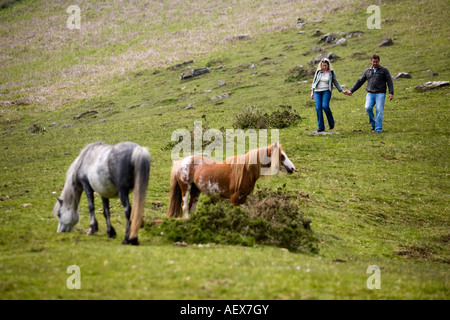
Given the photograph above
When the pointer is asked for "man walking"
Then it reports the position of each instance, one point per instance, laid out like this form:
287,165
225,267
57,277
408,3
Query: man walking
377,76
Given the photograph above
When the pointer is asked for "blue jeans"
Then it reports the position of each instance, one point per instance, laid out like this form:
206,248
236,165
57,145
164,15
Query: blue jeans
322,100
378,100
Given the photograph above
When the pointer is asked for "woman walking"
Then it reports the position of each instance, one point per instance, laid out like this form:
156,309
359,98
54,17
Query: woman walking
322,86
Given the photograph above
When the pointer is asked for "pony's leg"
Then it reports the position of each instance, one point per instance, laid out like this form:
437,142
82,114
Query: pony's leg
127,210
195,193
237,200
242,199
109,228
185,201
93,225
234,199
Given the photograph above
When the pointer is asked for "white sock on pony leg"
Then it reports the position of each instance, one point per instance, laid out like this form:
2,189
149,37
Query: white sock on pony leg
185,206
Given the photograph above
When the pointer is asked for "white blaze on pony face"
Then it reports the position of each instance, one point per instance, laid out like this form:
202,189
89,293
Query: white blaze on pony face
287,165
67,217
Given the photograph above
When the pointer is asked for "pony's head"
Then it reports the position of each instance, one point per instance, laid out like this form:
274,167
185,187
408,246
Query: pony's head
279,160
66,214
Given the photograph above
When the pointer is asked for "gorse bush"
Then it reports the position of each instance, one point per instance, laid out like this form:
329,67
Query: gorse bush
253,118
284,117
267,218
250,117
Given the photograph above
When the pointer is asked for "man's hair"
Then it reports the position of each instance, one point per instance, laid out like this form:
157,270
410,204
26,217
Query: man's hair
375,57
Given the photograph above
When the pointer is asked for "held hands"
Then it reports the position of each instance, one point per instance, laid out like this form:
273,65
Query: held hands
347,93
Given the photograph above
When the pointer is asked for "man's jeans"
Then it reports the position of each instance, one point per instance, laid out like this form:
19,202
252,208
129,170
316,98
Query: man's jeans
377,99
322,100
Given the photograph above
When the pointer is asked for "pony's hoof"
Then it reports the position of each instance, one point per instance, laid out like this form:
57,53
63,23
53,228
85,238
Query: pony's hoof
111,233
133,241
91,232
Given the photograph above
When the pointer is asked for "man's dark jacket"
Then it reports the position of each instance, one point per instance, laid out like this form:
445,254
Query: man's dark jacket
376,81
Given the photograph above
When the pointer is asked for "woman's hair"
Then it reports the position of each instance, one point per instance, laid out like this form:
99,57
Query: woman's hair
325,60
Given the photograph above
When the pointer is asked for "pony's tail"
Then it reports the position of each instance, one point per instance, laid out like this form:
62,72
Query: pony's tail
141,161
174,195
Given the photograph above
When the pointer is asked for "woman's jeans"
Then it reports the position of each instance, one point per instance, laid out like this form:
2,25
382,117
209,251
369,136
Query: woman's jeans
322,100
378,100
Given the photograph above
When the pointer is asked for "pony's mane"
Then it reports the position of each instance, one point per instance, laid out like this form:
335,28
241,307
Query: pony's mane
249,164
72,186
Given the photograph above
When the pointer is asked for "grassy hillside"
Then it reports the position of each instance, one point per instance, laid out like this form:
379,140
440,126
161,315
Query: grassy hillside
372,199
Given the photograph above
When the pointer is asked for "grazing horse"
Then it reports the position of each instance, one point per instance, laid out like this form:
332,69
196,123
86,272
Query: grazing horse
110,171
233,178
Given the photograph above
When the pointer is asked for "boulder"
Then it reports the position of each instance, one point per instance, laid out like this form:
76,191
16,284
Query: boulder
301,23
432,85
299,73
179,65
224,95
84,114
243,37
328,38
354,34
318,33
330,56
322,133
194,73
341,41
404,75
317,49
386,43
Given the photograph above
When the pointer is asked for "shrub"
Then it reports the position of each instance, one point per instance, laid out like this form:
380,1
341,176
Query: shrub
284,117
268,218
252,117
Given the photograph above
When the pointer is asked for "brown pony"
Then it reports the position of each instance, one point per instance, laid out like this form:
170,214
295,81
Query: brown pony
233,178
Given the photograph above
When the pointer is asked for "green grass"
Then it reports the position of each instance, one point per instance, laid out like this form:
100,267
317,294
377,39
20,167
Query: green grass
372,199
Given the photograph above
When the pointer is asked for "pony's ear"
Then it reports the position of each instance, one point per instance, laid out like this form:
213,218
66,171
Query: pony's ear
59,200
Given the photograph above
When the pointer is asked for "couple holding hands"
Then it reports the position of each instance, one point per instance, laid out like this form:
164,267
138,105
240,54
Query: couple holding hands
376,76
